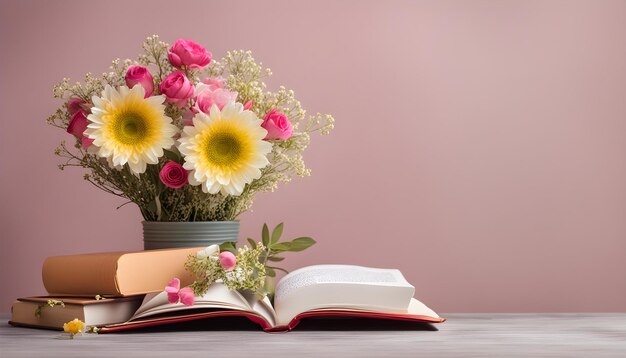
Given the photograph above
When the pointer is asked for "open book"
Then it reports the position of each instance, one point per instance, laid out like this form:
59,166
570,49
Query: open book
313,291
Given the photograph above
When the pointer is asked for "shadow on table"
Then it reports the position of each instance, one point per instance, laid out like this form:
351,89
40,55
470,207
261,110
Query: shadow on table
360,324
307,324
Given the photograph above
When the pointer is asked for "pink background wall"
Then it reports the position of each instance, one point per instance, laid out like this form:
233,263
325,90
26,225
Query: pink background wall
479,145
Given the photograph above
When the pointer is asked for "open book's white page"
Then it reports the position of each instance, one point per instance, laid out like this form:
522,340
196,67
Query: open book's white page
341,286
418,308
149,302
98,314
312,275
415,308
264,308
217,296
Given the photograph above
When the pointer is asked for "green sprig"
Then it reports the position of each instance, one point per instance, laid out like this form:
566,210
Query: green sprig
50,303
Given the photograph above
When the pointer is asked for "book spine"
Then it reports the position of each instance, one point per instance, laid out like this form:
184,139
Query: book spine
116,273
86,275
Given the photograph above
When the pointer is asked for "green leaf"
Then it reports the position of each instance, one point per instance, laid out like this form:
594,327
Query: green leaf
252,243
152,207
275,258
281,247
302,243
228,246
269,272
173,156
298,244
276,233
276,268
265,235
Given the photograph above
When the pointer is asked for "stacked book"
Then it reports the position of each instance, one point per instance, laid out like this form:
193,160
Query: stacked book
101,288
125,290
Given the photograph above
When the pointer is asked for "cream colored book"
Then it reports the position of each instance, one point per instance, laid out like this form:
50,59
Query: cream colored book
33,311
313,291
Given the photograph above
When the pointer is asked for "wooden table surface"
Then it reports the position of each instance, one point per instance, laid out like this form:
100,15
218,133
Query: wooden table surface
463,335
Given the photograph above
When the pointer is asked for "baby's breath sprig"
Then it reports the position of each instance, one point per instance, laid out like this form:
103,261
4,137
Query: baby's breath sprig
255,263
247,275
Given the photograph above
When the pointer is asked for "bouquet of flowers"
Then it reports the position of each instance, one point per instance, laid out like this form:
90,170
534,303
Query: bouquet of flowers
183,136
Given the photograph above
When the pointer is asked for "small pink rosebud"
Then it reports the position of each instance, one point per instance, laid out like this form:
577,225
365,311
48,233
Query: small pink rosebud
140,75
176,294
177,88
248,105
78,124
277,126
186,53
86,142
227,260
74,105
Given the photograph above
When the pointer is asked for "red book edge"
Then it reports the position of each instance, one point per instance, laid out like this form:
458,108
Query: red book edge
264,325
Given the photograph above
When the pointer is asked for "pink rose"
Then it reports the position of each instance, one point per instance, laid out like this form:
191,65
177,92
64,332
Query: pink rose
208,95
277,126
248,105
174,175
78,124
77,127
227,260
213,83
75,104
140,75
86,142
186,53
177,88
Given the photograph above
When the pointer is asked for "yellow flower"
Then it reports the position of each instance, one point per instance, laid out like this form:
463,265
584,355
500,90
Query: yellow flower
224,150
74,327
128,128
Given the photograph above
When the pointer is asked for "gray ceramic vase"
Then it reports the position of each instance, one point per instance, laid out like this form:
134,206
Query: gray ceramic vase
168,235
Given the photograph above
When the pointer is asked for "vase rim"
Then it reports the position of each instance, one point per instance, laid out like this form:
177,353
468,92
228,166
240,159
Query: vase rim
189,222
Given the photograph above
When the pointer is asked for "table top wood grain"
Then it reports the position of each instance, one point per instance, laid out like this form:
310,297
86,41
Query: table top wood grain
463,335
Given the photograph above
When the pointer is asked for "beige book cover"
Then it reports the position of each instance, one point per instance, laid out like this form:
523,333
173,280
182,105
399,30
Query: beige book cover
115,273
34,311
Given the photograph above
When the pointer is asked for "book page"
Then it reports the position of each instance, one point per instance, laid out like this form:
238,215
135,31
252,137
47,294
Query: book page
341,286
263,307
418,308
217,296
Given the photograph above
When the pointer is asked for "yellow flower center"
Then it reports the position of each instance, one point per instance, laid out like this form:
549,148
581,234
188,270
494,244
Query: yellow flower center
225,146
133,125
130,127
223,149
